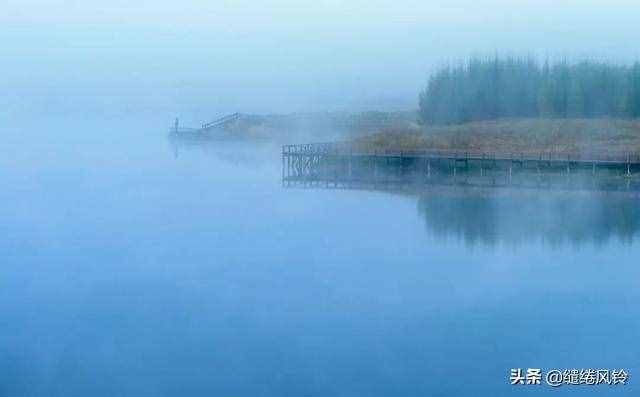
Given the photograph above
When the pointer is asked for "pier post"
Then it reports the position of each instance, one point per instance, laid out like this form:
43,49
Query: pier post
325,169
455,166
538,170
350,163
375,168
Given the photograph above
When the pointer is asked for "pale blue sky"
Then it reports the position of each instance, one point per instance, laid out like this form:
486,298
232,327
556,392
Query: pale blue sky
209,57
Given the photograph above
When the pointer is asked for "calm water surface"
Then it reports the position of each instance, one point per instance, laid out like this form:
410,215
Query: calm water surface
131,267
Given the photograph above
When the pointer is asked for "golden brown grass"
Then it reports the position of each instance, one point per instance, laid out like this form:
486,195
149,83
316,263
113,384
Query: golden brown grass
517,135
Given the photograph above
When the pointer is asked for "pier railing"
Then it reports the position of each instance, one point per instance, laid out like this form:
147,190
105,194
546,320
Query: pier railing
355,149
221,121
349,164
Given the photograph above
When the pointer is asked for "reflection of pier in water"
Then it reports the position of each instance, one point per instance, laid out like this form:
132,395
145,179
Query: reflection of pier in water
343,165
254,154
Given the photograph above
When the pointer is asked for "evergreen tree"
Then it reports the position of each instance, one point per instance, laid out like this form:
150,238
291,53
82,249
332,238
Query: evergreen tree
634,92
491,88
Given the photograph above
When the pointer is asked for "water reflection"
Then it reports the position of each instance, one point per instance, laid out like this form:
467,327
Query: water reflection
516,217
233,152
127,272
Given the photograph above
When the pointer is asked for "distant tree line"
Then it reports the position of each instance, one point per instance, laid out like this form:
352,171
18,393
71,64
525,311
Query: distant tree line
492,88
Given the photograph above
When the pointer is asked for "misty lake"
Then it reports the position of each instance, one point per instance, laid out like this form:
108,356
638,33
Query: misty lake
135,267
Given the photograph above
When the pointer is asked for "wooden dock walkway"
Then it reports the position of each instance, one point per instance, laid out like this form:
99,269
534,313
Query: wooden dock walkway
214,125
342,163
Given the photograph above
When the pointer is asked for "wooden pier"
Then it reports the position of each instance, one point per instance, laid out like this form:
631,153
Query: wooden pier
216,125
343,164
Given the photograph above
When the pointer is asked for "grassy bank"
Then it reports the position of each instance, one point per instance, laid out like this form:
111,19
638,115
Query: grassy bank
515,135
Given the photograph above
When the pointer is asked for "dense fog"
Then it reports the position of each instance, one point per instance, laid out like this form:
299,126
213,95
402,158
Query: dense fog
198,59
